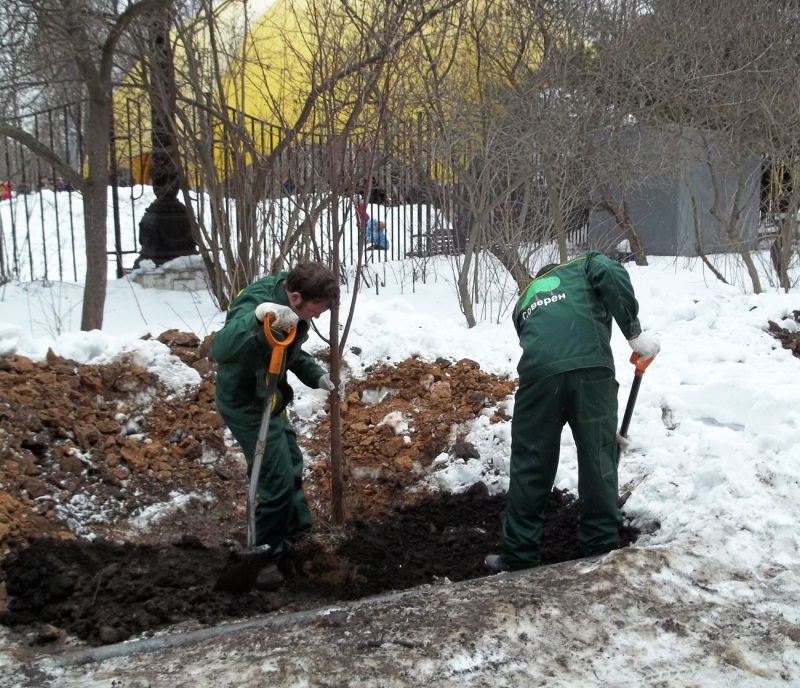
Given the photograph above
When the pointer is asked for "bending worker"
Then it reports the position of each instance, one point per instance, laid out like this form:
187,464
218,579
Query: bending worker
566,375
242,352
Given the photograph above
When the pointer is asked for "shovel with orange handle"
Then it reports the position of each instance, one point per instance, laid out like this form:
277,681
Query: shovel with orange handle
240,573
641,366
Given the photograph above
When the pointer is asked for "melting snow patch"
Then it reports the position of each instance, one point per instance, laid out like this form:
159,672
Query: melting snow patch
157,358
396,422
83,511
154,513
462,664
374,396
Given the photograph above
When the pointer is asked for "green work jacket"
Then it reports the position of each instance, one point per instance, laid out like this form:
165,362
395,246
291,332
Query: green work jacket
242,353
563,318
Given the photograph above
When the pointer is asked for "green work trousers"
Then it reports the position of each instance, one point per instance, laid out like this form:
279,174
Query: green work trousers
587,400
282,510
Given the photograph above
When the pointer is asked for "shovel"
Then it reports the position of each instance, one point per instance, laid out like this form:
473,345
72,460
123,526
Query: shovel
240,572
641,366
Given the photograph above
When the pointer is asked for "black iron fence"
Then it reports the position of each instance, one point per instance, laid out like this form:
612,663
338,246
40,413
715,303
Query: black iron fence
30,248
412,209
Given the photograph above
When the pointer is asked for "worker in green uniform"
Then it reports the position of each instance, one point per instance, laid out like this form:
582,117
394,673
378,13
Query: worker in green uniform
242,352
566,375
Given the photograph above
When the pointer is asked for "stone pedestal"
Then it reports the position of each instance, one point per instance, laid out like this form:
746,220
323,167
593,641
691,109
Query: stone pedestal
182,274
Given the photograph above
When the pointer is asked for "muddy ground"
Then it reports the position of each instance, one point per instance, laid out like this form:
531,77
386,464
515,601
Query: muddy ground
87,451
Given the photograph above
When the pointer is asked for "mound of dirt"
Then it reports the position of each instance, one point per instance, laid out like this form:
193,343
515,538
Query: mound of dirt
89,456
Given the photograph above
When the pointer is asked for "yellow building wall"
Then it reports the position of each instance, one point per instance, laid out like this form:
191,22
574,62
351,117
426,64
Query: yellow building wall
271,63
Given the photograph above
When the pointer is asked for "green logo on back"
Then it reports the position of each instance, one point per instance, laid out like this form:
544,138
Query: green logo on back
545,284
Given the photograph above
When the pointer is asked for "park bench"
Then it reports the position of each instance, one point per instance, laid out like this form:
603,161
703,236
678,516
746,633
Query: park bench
438,242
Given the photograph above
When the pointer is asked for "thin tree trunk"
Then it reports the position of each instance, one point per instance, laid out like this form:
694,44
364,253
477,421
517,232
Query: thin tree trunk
784,242
730,223
338,512
555,210
621,216
337,453
463,273
95,208
698,243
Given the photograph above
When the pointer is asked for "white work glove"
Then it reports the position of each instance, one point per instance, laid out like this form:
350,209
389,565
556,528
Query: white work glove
326,383
283,317
623,442
646,345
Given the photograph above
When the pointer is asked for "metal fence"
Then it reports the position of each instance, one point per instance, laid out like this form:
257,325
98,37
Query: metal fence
29,248
41,225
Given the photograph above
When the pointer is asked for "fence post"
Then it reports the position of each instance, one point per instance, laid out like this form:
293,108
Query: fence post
114,181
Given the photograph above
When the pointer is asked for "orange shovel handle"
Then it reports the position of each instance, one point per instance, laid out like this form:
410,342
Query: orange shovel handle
278,345
641,365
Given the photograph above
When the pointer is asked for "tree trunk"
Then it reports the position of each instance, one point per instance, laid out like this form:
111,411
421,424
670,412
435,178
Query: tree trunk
555,211
337,452
512,263
785,241
463,274
621,216
698,243
730,221
95,208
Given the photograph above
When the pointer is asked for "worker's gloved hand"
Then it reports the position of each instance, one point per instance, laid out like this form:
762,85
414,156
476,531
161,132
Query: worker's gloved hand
283,317
646,345
326,383
623,442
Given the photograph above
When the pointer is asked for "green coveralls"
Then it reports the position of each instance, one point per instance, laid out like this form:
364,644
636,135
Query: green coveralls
566,375
242,353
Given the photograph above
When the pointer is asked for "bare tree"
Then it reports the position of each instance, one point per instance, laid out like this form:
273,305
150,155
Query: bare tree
510,125
615,87
280,159
778,92
727,77
81,37
247,136
472,58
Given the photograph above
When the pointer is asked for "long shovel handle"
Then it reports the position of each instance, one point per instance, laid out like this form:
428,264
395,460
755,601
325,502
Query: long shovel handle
275,362
261,445
641,366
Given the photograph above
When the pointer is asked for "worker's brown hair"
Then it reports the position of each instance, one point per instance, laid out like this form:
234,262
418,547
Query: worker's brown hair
314,282
546,268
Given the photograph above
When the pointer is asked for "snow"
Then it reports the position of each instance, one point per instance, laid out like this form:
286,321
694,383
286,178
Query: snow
156,512
713,459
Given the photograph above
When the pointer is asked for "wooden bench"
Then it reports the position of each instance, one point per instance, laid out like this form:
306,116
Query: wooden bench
436,243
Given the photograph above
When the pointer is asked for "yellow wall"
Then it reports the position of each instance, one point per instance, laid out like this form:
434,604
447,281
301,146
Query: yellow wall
267,74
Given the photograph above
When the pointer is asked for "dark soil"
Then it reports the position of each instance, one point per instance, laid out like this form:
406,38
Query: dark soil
103,592
84,449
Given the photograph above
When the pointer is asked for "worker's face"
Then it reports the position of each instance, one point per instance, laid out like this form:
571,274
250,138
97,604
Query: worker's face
306,309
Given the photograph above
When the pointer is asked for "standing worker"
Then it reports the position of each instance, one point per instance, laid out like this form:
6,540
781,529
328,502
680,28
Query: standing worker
242,352
566,375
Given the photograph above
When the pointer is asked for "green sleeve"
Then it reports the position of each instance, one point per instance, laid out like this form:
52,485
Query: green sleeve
613,284
307,369
242,335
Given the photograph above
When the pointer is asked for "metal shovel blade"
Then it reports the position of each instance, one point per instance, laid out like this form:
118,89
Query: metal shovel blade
241,570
